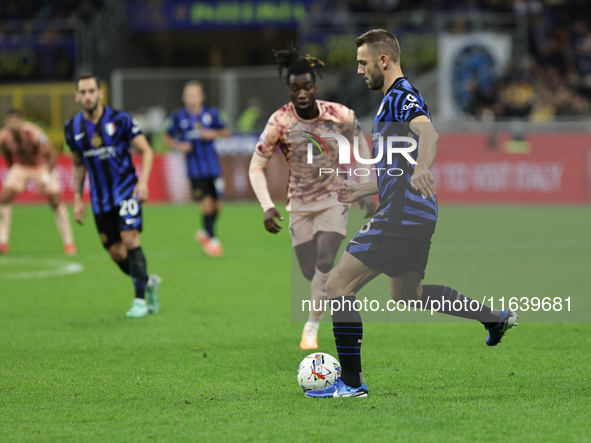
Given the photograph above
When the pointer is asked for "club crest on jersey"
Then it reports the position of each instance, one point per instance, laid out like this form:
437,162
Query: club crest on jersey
206,119
96,141
110,128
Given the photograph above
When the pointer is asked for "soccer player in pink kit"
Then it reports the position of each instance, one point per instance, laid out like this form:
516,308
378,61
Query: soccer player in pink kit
318,221
36,160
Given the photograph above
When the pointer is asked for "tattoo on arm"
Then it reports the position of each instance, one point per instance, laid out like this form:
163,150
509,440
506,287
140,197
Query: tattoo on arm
79,172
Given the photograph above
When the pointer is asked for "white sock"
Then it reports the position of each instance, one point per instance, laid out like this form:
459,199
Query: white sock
312,323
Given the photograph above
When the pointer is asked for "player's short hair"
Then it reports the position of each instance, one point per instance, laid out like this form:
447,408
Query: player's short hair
297,64
14,112
380,41
87,75
194,83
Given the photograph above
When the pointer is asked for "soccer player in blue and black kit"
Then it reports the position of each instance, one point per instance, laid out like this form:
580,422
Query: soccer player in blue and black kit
100,138
192,130
397,239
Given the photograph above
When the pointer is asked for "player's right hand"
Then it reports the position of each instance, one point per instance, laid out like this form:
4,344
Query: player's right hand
79,211
184,147
270,223
348,192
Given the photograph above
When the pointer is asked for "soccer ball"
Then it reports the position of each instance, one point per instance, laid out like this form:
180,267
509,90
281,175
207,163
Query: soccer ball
317,371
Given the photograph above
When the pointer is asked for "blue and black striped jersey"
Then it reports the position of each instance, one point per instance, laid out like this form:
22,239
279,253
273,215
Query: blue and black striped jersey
105,150
399,202
182,125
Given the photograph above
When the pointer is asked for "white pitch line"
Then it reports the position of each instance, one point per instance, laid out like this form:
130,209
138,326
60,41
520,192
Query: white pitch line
56,268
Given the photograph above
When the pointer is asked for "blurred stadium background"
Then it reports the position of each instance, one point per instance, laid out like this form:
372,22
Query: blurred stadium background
509,85
508,81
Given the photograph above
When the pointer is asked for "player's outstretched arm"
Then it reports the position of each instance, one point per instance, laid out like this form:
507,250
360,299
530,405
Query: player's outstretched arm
422,179
49,154
79,177
184,147
258,181
141,189
6,147
350,191
212,134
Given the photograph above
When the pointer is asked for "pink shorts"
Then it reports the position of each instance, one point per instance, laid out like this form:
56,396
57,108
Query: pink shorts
303,226
19,175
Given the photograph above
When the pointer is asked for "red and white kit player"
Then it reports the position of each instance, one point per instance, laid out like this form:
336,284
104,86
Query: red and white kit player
36,160
318,221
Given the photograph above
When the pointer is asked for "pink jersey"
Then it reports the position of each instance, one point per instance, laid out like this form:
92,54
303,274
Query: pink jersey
308,190
30,144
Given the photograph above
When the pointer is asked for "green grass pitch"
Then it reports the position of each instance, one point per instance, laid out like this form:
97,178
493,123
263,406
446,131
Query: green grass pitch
218,363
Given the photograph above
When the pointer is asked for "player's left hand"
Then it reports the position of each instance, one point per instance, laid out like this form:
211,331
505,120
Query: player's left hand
369,205
422,180
140,193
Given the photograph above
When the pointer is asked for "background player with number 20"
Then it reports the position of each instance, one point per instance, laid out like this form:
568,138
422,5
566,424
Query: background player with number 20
100,138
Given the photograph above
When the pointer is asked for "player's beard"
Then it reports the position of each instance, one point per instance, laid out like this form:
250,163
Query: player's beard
376,81
92,108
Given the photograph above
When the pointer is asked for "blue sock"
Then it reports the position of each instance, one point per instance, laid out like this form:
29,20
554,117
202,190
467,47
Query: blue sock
348,333
208,223
138,271
444,298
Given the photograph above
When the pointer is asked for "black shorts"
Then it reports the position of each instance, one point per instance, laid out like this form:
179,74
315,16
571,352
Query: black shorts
393,249
126,217
207,186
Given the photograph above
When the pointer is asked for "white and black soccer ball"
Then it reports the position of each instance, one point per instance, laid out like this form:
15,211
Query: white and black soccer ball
318,370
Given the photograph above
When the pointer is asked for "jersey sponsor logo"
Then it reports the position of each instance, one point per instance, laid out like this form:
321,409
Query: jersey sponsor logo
410,106
103,153
130,221
79,136
185,123
413,103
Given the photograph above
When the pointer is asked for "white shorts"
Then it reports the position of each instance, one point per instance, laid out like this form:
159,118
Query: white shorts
19,175
303,226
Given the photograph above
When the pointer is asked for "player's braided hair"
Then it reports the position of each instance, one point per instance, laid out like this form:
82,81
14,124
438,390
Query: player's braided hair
297,64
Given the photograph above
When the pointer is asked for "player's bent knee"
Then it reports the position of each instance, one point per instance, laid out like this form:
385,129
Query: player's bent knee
324,265
308,272
54,201
7,197
130,239
118,253
334,288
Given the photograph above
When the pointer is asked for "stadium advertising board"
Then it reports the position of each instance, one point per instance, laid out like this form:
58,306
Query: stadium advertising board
24,60
467,170
211,14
